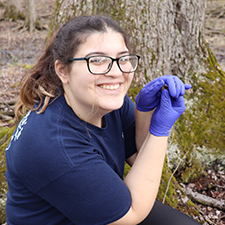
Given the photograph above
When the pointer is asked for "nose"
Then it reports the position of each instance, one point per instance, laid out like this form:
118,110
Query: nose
114,70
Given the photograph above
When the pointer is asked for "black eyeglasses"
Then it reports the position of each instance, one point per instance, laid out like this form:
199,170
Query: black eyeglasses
100,64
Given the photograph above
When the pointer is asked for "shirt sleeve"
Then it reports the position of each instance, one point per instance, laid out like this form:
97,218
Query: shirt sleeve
127,113
91,193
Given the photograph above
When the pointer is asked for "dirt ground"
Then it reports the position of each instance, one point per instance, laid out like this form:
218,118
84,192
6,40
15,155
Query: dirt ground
19,49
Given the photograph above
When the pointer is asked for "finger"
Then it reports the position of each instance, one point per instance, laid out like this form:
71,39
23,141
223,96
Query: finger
178,103
187,86
166,99
179,87
169,81
159,94
155,86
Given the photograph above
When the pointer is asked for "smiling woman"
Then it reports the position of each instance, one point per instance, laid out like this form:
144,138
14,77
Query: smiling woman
66,165
106,89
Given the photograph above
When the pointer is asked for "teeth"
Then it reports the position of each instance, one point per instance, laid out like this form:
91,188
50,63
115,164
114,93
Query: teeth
110,87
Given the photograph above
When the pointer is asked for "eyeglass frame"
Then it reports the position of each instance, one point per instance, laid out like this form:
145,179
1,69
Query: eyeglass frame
110,65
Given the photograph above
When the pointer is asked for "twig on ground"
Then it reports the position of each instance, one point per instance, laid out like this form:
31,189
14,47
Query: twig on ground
203,199
219,186
167,188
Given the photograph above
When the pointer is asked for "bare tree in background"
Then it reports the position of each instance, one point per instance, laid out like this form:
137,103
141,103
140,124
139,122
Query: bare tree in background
14,11
30,14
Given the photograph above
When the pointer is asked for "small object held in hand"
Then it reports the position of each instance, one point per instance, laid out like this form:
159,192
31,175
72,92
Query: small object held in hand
164,87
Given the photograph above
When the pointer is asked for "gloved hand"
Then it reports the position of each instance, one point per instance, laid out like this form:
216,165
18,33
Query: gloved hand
149,96
166,114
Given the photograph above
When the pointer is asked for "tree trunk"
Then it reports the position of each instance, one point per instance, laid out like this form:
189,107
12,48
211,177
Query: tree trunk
167,34
30,14
13,9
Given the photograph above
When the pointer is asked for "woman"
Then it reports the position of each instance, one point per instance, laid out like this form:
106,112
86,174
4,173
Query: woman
66,158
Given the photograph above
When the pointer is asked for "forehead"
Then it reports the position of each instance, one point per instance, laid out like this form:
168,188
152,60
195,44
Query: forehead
110,42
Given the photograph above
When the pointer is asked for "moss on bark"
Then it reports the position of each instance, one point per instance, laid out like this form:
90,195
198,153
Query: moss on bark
201,129
5,136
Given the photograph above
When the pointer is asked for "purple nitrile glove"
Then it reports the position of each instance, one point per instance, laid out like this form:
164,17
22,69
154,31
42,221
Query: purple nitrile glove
149,96
166,114
175,86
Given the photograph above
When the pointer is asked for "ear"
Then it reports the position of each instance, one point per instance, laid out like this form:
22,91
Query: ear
61,71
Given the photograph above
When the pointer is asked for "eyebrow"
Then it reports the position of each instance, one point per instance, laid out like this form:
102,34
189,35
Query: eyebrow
102,53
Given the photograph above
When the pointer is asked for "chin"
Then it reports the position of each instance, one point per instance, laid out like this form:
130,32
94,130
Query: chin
112,104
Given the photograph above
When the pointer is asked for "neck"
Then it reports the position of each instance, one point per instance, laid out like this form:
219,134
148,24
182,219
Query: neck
90,116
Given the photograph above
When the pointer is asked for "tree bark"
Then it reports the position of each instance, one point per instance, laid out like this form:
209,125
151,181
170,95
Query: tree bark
167,34
30,14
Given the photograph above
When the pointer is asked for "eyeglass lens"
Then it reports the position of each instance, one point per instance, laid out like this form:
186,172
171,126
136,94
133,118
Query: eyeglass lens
102,64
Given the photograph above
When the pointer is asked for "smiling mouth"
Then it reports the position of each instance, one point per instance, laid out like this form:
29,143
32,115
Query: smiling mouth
110,87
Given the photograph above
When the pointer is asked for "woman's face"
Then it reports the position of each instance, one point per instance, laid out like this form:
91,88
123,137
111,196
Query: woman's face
106,92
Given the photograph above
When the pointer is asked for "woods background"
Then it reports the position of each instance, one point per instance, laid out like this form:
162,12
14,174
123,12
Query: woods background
170,37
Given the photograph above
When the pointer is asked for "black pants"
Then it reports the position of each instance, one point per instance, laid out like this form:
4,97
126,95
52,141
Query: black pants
162,214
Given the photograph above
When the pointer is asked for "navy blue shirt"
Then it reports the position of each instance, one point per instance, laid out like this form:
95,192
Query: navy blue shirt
62,170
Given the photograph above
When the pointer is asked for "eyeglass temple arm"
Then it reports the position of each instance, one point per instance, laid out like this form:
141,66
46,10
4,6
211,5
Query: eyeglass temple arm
76,59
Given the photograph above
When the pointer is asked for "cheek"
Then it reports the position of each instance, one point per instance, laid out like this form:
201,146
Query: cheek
129,78
82,78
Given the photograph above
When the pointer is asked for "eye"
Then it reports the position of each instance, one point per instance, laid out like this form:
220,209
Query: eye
124,59
98,60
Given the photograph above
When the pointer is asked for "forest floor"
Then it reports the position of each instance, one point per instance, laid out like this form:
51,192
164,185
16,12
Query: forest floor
19,49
